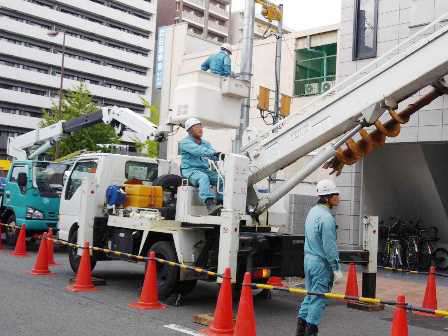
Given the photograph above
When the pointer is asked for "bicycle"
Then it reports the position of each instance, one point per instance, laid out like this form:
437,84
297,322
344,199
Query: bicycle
392,254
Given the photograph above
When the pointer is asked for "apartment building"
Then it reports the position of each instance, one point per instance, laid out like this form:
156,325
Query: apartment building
209,19
109,46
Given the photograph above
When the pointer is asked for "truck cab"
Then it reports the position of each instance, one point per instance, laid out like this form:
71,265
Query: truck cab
31,196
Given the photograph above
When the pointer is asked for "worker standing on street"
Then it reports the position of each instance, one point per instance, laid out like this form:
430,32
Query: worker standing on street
220,63
195,153
321,258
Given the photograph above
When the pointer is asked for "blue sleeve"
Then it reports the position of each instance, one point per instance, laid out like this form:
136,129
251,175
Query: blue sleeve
329,242
194,149
206,65
227,66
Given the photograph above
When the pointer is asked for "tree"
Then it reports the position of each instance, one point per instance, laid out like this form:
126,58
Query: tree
151,147
76,103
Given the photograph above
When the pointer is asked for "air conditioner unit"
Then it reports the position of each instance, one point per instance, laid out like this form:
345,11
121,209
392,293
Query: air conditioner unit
325,86
311,89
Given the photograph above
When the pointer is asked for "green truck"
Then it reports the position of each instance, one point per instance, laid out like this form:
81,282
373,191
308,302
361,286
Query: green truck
31,196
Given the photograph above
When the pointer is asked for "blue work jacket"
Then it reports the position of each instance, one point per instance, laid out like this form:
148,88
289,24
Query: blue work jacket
195,156
219,64
320,236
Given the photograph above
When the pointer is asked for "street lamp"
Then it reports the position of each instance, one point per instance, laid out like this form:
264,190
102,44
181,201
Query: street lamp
54,33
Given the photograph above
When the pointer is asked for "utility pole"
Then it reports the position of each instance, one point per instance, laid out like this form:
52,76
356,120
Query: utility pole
246,70
278,63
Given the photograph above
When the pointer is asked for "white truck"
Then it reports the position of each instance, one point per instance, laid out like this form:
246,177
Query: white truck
182,231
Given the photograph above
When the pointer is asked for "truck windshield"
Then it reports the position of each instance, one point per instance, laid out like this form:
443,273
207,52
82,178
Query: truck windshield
48,178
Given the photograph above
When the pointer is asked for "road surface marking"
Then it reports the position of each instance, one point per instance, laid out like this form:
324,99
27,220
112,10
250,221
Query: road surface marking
182,329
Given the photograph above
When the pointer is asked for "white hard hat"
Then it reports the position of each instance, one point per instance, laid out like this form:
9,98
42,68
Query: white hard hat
227,47
326,187
191,122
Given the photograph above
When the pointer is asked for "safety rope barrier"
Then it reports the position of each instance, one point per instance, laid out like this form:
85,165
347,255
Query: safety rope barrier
291,290
403,270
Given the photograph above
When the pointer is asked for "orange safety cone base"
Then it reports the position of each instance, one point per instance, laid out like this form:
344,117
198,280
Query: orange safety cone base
79,289
210,331
276,281
147,306
40,273
19,255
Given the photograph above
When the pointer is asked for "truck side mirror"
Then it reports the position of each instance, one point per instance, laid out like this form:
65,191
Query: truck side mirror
22,180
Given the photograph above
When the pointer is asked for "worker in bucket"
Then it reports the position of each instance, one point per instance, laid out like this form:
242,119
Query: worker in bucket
219,63
195,153
321,258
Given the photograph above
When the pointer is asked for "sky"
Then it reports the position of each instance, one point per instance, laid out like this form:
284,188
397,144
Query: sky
305,14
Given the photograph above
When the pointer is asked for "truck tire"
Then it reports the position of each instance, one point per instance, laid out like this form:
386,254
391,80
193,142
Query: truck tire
11,234
73,256
167,276
186,287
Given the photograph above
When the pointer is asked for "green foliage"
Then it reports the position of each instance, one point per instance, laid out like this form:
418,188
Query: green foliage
150,147
75,104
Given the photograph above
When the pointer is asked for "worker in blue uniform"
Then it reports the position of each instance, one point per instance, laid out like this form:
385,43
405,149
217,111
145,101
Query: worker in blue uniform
220,63
195,153
321,258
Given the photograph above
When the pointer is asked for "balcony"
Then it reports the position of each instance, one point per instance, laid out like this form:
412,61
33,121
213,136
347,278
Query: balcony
218,29
192,18
218,11
196,3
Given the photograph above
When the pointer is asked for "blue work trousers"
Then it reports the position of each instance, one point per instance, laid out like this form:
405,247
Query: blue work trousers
318,279
204,180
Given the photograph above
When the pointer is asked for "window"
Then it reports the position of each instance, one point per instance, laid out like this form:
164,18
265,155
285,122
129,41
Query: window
142,171
16,170
365,29
79,172
48,178
315,70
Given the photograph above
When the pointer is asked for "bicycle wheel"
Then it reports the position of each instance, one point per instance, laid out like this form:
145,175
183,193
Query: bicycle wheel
425,257
440,257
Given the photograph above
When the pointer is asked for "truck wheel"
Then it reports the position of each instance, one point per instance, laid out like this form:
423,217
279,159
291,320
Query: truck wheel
73,256
167,276
186,287
11,234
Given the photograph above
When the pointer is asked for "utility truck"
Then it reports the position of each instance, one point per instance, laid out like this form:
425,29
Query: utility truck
179,228
32,188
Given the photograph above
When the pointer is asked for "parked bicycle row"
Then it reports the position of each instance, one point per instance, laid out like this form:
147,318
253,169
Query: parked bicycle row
409,244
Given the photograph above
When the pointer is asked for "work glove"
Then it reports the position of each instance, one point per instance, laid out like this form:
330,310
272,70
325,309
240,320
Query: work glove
338,277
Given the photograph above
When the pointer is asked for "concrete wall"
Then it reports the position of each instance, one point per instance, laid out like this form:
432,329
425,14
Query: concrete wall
397,20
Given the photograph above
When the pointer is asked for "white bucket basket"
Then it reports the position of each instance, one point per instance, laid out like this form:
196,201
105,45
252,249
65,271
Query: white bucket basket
213,99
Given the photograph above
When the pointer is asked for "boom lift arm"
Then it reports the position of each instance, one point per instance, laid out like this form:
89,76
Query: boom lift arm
21,147
357,102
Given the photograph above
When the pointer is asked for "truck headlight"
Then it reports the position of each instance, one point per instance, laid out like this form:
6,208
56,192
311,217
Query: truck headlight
32,213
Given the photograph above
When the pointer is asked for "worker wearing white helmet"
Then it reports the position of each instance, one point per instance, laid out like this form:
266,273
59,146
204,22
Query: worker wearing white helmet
321,257
220,63
196,152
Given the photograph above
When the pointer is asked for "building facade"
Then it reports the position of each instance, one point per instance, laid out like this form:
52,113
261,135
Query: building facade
209,19
109,47
407,177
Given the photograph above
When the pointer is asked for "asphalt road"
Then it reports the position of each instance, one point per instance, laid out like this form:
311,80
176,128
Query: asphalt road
31,306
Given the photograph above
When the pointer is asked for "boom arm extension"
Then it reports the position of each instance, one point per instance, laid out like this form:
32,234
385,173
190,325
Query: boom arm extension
46,137
359,101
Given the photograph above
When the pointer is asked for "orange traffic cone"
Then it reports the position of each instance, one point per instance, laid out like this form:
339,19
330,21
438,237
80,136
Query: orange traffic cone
400,320
41,266
50,248
245,320
222,323
149,298
83,281
20,249
352,282
430,299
